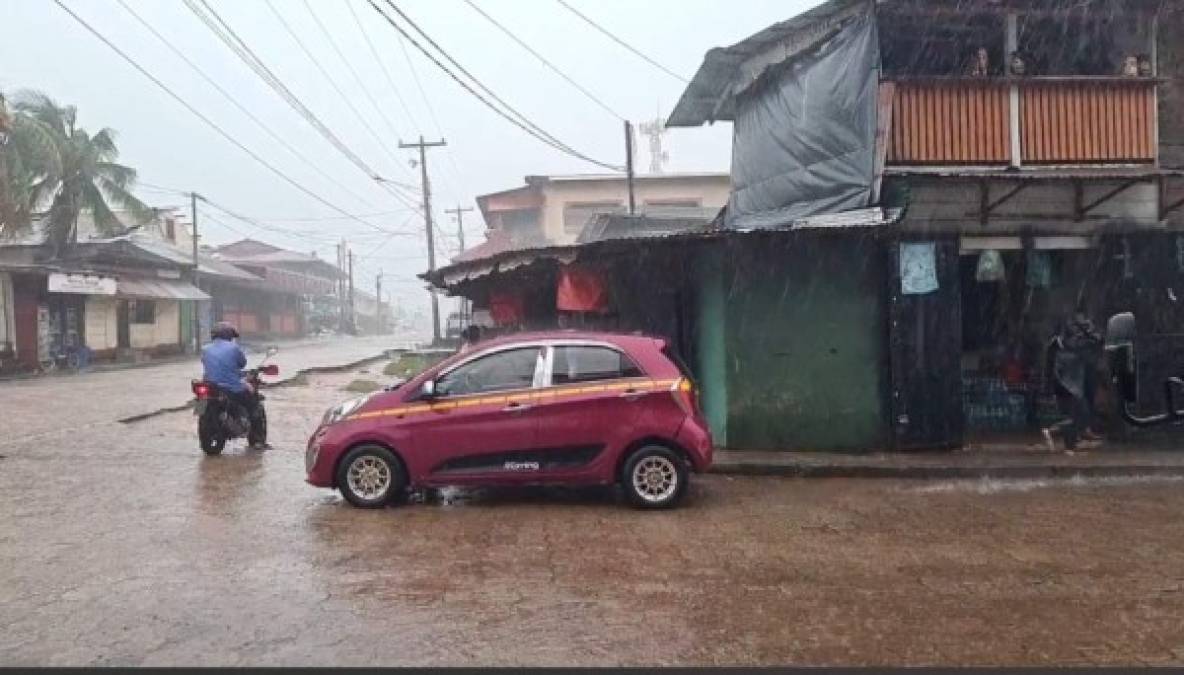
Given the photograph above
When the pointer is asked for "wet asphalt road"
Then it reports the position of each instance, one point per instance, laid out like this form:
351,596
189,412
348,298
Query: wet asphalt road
123,545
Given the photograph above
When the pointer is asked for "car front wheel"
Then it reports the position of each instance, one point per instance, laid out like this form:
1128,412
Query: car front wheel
370,477
654,477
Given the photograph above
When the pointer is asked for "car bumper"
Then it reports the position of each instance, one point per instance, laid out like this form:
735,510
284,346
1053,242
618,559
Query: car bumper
320,457
695,438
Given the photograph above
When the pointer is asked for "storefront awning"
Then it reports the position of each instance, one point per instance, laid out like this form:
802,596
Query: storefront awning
159,289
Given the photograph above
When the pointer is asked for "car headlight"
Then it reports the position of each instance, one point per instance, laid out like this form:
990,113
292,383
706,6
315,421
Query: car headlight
342,410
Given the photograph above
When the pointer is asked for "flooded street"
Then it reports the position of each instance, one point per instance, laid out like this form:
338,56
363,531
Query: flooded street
124,545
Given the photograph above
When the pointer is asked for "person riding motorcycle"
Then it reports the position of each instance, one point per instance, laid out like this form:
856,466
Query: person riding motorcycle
223,361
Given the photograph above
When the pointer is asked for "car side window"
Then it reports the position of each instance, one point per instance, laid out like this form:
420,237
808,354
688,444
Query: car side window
501,371
589,364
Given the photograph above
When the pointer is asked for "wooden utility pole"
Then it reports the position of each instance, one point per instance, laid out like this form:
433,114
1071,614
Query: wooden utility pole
341,286
629,165
196,264
422,146
353,317
378,328
459,212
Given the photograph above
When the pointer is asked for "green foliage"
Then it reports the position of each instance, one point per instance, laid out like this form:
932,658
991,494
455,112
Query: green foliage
362,386
410,364
48,162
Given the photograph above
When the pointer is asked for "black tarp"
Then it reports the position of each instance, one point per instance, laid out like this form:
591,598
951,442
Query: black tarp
805,133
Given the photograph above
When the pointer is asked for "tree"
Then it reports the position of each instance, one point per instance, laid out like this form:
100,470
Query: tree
51,162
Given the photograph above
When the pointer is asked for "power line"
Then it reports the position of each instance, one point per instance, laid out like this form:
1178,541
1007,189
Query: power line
555,142
286,231
382,65
423,94
345,98
349,66
624,44
524,123
213,83
232,41
592,97
202,117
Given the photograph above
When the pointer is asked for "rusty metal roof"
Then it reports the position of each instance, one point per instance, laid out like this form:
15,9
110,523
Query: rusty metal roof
503,261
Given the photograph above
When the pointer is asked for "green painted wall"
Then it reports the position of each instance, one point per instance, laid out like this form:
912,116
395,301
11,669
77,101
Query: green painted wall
711,341
805,342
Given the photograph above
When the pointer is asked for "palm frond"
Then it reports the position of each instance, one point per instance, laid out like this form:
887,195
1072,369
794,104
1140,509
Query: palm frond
106,222
118,174
122,197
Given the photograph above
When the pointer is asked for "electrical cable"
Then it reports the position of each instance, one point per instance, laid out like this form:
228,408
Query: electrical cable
527,126
624,44
592,97
202,117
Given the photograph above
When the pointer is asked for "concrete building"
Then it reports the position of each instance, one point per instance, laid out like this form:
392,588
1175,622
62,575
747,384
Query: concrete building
555,209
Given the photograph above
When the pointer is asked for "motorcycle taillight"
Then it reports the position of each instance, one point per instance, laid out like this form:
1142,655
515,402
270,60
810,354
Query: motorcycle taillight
201,390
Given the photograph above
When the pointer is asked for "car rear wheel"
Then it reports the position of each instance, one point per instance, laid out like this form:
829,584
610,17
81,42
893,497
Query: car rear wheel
654,477
370,477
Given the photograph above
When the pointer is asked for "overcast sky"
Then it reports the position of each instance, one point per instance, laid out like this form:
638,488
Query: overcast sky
41,47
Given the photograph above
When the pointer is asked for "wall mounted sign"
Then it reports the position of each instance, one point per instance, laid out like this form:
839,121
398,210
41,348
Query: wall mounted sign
84,284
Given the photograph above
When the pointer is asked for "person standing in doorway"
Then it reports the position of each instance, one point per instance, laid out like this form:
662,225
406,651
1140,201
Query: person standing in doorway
1071,371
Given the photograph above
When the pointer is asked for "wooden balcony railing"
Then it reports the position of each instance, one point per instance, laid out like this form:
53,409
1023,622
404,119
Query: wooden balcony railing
1087,122
950,122
1058,121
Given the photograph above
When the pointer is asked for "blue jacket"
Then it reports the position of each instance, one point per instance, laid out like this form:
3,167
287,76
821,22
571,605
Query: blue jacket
223,362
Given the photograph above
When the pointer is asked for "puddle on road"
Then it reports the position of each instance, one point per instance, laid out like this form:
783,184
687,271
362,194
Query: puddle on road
990,486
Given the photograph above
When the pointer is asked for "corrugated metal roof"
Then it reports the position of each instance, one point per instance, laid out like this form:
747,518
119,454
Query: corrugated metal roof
159,288
623,226
456,273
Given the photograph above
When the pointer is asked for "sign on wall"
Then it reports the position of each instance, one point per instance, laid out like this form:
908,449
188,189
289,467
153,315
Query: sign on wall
85,284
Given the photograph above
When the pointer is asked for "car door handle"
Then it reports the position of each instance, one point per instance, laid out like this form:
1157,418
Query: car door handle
632,394
517,407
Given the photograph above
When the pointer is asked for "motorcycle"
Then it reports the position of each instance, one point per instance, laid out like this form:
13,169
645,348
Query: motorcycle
220,418
1123,365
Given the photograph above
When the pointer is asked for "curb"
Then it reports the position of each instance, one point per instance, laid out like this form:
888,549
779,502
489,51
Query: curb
287,381
946,472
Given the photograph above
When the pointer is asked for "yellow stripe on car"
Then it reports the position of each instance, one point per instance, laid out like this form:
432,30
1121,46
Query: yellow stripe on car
642,386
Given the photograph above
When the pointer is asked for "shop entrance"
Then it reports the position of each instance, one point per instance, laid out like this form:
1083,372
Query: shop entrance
1014,299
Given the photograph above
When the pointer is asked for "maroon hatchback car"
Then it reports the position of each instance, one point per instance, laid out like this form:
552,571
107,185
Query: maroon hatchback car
549,408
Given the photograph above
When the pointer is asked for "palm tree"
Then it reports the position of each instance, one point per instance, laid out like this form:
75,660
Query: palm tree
50,161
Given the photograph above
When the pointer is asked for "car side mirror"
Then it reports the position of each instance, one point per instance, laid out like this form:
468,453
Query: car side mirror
1120,352
427,390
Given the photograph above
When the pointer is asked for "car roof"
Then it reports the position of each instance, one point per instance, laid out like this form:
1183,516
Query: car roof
554,335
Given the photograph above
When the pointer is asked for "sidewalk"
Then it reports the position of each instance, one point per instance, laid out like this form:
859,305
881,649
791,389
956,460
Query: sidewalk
1016,461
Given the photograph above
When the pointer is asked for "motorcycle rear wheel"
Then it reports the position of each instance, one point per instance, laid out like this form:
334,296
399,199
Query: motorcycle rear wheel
209,436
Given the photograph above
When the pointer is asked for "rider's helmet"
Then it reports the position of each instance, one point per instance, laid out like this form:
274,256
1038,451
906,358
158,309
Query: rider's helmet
223,330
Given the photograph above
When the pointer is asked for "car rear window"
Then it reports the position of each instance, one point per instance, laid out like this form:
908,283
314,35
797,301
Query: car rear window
588,364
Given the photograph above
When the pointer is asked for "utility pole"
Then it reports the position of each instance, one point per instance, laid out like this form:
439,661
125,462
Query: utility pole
196,303
629,165
459,212
379,325
422,146
341,286
353,318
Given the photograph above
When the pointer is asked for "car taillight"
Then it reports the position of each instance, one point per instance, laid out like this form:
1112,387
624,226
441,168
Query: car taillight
201,390
685,396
